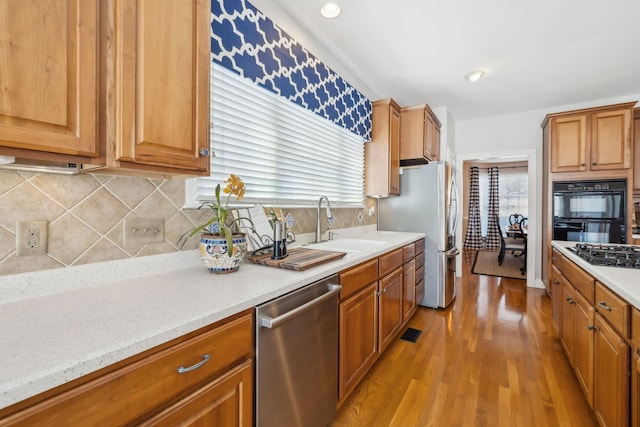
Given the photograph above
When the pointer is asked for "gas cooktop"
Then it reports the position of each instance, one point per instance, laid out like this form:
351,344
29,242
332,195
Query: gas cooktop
608,255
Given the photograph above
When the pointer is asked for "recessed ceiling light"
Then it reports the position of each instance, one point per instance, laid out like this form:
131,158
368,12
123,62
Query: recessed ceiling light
474,75
330,10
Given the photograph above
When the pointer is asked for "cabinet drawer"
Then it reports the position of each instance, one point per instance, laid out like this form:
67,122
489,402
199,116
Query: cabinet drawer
419,274
357,278
408,252
420,246
614,309
420,260
129,392
390,261
635,327
419,292
580,280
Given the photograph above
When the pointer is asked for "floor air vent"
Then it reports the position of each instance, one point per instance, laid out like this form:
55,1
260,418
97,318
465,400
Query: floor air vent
411,335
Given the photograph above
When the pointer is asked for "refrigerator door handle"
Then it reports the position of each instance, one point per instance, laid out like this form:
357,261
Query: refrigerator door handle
454,187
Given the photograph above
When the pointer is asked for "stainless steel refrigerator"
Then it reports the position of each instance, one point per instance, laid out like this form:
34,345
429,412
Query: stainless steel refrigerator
428,203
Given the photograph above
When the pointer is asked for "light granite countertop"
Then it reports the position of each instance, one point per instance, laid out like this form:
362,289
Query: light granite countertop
623,281
80,319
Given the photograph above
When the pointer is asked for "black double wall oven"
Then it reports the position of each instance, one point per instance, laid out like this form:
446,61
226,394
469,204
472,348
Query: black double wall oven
590,211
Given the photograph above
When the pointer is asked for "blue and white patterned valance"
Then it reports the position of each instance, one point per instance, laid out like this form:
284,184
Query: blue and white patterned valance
245,41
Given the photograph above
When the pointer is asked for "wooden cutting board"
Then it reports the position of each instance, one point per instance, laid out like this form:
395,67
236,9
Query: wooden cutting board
298,258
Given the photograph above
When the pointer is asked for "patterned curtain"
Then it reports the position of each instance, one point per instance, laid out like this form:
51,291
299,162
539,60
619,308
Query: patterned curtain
493,232
473,238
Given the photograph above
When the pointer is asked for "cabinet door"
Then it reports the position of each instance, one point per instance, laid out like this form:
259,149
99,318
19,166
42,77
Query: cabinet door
394,151
556,297
358,337
569,143
583,339
390,307
162,83
412,133
566,328
226,401
49,69
611,399
636,152
432,146
611,139
409,291
635,389
382,154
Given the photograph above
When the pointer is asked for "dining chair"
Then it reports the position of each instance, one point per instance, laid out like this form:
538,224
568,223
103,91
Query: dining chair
516,245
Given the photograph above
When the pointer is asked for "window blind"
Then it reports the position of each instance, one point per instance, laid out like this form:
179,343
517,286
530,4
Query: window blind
285,154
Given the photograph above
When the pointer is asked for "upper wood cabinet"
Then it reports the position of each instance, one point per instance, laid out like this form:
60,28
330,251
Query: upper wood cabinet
636,150
419,135
161,85
49,75
591,140
382,154
116,84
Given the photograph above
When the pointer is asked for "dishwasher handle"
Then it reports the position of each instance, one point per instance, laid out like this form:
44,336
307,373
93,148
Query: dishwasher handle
272,323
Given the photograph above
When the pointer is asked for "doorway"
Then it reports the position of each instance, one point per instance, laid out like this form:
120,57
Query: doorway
526,159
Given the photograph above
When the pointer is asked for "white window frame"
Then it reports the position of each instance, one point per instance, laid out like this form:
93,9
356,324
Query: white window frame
287,155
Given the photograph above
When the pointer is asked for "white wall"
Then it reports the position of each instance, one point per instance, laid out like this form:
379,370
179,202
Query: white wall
512,134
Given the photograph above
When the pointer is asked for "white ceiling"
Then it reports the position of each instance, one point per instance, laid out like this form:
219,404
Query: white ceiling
536,54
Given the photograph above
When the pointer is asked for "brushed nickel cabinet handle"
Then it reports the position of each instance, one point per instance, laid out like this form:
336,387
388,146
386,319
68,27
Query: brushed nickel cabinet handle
204,152
604,305
205,359
555,282
591,327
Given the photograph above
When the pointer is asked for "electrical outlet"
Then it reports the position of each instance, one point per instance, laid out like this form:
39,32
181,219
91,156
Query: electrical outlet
143,231
32,238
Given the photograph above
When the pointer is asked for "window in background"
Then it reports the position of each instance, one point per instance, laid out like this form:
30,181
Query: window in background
513,186
285,154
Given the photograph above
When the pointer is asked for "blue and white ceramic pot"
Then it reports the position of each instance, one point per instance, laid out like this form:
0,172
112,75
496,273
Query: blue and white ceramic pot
213,249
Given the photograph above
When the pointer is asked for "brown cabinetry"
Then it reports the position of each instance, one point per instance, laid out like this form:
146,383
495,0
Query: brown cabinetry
391,305
49,57
207,374
636,152
358,337
611,371
635,367
131,94
378,297
382,153
419,135
594,325
161,85
596,139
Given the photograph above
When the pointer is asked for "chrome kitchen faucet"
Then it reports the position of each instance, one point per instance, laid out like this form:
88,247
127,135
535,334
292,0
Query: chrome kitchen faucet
329,216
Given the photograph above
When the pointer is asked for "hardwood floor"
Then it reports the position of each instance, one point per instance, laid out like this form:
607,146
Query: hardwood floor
490,359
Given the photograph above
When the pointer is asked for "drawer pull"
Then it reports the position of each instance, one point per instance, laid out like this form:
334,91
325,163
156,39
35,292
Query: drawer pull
555,282
591,327
604,305
205,359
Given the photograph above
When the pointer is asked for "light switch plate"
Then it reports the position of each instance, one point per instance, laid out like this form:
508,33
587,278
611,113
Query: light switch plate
32,238
143,231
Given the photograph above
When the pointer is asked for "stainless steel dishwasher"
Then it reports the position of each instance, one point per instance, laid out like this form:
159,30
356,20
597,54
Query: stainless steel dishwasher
297,357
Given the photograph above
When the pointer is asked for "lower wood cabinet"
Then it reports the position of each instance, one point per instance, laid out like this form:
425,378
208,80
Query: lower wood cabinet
409,291
358,337
635,389
583,342
215,382
391,304
378,298
227,401
611,371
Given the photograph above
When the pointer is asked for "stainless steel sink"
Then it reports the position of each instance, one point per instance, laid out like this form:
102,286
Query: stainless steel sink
347,245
